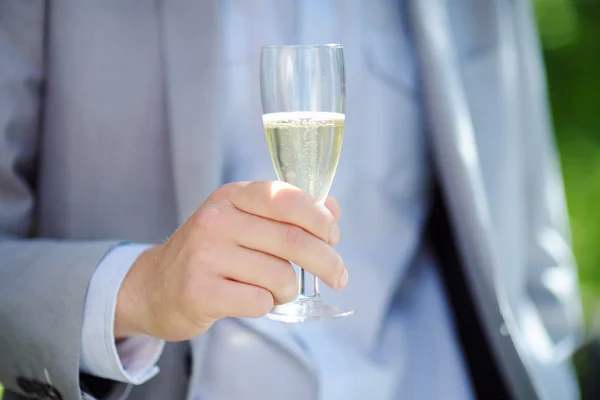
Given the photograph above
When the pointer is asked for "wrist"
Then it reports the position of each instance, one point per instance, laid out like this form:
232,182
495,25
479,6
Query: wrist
131,314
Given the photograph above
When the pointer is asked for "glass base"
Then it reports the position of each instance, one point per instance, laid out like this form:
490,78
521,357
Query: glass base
307,309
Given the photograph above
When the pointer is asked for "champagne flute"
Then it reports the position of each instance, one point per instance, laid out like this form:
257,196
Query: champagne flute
303,93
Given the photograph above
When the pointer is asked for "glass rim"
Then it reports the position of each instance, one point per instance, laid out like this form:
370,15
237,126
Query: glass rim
302,46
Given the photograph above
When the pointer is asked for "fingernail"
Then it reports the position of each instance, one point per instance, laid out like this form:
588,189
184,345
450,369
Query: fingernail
334,237
344,279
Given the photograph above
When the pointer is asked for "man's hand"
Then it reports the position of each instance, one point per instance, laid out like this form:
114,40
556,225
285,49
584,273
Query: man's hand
230,259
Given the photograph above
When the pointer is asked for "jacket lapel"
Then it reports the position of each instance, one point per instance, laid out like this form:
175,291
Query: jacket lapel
190,32
453,142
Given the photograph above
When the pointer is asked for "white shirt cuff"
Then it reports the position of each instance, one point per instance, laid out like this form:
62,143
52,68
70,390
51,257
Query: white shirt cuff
134,359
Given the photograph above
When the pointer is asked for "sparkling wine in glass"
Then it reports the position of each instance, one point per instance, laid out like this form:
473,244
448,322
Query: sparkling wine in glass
303,100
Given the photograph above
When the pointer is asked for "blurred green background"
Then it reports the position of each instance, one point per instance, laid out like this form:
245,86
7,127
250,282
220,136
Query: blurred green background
570,33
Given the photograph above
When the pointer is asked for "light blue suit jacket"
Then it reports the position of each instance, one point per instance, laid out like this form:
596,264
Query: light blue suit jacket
152,67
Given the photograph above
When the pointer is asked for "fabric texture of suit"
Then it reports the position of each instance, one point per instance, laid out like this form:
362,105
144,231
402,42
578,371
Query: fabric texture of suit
88,91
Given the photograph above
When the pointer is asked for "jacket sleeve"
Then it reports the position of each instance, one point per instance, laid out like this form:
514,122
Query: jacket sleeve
43,282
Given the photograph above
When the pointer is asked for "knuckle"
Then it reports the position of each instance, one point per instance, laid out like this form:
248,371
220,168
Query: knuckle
284,196
225,191
281,196
210,218
239,194
231,186
257,185
259,196
294,205
292,238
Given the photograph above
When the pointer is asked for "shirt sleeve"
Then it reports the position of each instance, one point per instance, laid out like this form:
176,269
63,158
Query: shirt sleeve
132,360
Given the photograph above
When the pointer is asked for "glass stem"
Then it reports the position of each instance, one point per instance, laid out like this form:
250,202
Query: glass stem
308,284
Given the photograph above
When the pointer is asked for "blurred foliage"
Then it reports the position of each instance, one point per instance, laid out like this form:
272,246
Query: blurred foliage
569,30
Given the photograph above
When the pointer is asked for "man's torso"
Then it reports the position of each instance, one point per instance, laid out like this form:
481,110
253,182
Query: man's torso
106,161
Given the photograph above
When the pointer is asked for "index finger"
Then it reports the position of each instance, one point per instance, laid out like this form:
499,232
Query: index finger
286,203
